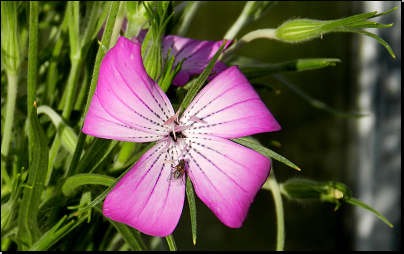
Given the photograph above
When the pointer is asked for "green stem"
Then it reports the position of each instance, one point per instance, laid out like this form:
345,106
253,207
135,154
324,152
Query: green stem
118,25
52,71
171,242
53,151
8,124
73,23
32,60
272,185
187,17
100,55
71,88
261,33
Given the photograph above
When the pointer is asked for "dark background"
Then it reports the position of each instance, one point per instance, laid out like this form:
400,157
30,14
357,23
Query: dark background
318,142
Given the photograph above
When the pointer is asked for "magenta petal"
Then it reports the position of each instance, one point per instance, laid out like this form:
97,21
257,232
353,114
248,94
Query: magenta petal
226,176
230,107
197,55
128,94
145,198
100,124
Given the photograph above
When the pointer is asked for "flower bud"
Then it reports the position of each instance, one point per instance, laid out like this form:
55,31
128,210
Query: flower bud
300,30
137,17
326,191
152,45
152,54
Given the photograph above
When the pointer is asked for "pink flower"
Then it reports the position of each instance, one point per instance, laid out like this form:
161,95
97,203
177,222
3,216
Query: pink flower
129,106
197,55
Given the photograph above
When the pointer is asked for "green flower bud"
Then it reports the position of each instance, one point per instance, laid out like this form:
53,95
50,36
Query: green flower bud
137,17
300,30
335,192
169,74
326,191
151,46
152,54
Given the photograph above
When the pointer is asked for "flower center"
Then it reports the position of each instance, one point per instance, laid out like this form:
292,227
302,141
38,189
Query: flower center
175,135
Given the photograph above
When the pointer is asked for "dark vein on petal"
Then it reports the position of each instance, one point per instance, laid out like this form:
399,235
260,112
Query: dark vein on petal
217,97
140,127
213,150
207,179
144,103
132,128
147,172
187,46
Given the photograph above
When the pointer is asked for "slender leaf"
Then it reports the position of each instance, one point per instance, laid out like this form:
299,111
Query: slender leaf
245,141
171,243
82,179
356,202
105,193
129,235
67,134
55,234
28,231
192,207
98,151
260,70
313,102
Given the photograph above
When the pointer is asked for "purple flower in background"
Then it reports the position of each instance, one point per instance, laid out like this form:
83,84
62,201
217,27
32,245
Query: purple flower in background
197,55
129,106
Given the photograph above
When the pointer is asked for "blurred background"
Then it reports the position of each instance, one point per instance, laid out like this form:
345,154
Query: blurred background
364,153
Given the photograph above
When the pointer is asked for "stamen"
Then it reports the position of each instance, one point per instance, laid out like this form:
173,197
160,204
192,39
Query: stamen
173,118
196,119
168,139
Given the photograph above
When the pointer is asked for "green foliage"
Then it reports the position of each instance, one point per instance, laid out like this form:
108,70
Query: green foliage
53,174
